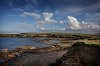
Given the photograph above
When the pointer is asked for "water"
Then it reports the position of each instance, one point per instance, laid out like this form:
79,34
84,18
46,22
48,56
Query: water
12,43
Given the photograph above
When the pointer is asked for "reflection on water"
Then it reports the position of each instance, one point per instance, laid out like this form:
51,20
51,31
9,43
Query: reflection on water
12,43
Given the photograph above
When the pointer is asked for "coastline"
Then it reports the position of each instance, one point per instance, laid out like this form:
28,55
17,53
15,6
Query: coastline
55,54
58,46
7,55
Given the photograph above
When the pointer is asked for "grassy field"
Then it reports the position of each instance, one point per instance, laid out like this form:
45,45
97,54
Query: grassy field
91,41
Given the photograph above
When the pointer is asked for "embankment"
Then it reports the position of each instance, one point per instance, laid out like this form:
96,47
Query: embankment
80,54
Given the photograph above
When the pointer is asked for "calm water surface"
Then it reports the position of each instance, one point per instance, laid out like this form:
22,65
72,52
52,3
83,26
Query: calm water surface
12,43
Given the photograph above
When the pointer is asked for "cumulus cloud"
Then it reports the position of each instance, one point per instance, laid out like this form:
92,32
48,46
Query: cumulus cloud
44,22
44,19
74,24
47,17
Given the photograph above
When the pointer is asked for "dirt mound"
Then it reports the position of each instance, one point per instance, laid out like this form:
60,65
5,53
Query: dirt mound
80,54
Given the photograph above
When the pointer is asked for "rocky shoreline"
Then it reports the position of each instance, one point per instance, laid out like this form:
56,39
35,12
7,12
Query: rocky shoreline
79,54
7,55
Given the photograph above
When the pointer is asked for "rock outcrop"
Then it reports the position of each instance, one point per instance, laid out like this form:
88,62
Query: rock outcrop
80,54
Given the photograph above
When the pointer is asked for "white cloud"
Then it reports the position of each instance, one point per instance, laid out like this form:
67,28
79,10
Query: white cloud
74,24
62,22
43,19
34,15
47,17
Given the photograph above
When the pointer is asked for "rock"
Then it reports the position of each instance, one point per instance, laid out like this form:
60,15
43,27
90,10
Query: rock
4,50
26,47
80,54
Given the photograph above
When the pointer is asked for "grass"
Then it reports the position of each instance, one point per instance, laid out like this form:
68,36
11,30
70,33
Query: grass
97,42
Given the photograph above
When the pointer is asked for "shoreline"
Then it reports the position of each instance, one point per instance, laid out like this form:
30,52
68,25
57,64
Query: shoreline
55,54
7,55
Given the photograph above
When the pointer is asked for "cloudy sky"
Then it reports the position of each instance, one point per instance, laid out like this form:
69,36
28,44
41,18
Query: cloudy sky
71,16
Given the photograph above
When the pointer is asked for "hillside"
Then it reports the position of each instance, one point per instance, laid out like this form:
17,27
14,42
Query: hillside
80,54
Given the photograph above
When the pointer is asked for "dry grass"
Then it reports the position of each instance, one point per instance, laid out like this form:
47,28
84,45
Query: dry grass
91,41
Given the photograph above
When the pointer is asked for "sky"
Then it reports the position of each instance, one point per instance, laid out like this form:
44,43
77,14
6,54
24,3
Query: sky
70,16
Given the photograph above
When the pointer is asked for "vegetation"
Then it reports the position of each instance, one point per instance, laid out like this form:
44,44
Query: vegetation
55,35
80,54
85,46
